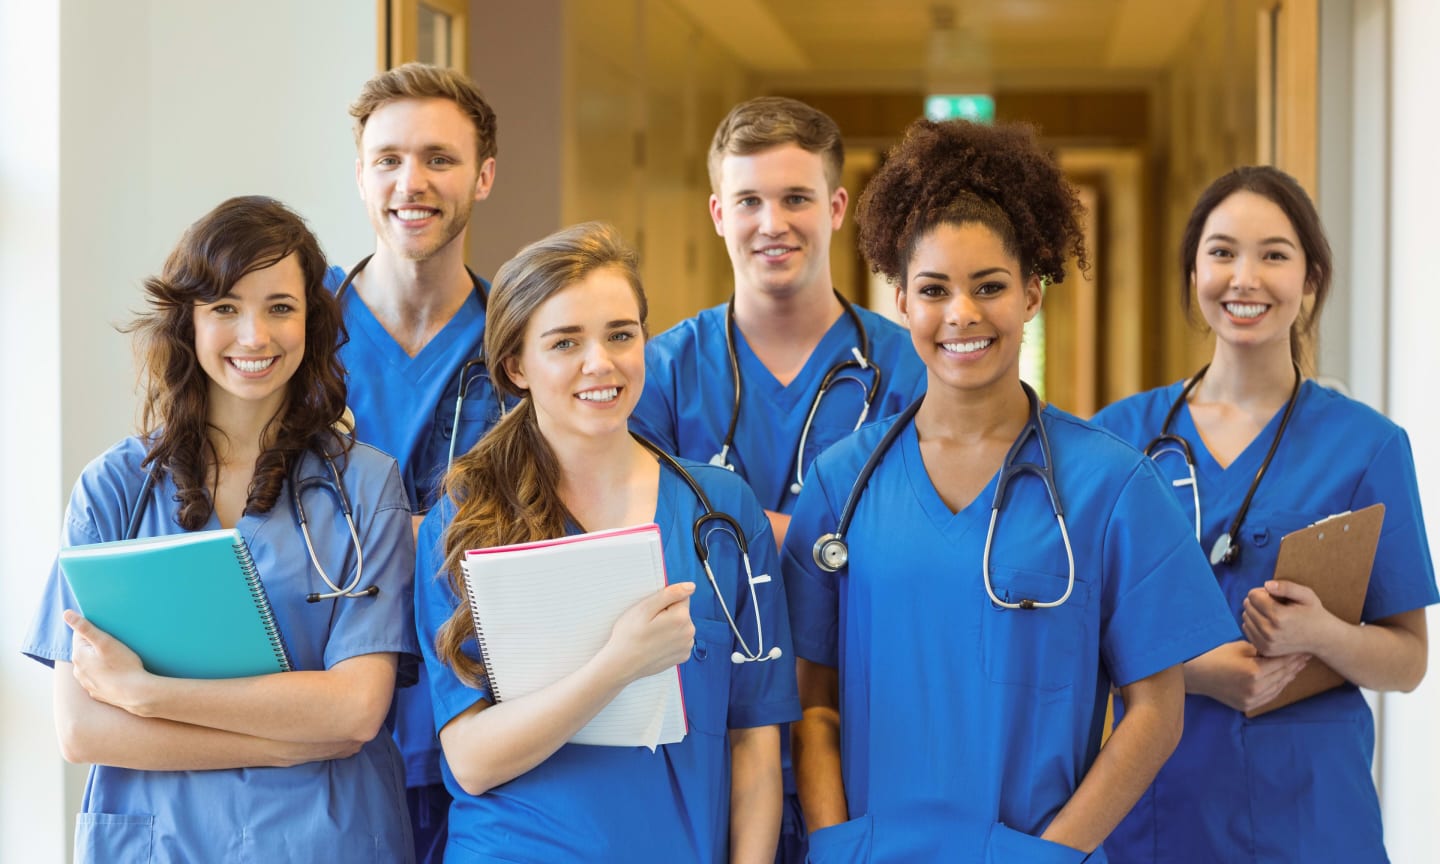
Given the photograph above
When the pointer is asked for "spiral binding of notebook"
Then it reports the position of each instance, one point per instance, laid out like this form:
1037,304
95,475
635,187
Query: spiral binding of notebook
262,604
480,635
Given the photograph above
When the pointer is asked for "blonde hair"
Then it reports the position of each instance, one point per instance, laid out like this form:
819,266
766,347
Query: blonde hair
423,81
766,122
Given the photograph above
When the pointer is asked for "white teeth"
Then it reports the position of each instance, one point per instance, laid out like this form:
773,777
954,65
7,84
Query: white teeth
252,365
966,347
774,253
1246,310
413,215
605,395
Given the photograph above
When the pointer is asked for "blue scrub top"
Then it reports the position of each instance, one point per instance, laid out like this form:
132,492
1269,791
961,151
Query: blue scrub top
262,814
689,395
1294,784
588,803
405,406
965,726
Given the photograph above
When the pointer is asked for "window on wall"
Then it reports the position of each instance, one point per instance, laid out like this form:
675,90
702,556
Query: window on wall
427,31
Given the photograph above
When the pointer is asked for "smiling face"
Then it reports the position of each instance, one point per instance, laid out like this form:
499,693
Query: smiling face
776,212
418,175
966,303
251,341
1250,272
583,358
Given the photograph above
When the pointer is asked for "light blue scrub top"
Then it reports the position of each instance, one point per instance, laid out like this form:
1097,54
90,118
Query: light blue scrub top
1294,784
339,810
965,727
624,804
689,394
405,406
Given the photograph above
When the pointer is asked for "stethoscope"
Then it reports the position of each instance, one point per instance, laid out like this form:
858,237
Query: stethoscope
725,524
1227,546
332,484
859,359
471,366
831,552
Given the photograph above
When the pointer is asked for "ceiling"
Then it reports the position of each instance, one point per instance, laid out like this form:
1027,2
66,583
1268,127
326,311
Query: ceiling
845,43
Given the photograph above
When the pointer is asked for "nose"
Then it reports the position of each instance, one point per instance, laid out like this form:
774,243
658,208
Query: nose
962,310
597,359
1244,274
411,178
251,331
772,222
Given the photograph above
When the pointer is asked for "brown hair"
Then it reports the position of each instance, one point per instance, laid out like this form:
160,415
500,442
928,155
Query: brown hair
771,121
239,237
958,172
507,488
423,81
1286,193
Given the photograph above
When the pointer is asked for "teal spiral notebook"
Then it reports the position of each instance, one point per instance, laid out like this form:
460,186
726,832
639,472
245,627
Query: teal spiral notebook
191,605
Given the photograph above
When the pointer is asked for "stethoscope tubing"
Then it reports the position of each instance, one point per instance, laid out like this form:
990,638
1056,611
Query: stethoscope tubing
701,538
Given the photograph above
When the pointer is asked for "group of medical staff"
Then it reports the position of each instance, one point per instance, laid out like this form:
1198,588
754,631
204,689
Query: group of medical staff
902,590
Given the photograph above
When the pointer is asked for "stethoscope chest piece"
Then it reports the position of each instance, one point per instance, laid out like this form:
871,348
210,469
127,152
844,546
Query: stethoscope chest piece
1224,551
830,553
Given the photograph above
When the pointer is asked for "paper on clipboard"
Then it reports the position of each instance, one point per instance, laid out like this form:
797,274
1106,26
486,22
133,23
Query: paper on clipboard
1333,558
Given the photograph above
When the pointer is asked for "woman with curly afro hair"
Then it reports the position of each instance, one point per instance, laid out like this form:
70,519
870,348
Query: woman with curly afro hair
959,620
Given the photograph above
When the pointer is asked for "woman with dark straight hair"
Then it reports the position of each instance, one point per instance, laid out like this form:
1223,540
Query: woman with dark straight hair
1262,451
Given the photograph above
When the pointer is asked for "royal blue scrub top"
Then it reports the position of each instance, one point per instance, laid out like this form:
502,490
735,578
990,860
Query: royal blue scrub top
588,803
965,726
1293,784
689,395
349,809
405,406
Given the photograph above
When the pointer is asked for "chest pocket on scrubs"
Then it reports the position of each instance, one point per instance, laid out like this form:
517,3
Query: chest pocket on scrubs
1036,647
1261,535
707,684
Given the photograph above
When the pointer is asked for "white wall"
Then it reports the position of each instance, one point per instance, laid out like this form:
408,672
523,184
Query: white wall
123,123
1411,746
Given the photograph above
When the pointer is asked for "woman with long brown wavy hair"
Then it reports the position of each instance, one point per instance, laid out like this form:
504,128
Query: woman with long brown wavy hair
565,336
244,400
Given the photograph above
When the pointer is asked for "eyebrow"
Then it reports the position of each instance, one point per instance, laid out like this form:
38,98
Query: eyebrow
576,328
978,274
788,190
390,147
1226,238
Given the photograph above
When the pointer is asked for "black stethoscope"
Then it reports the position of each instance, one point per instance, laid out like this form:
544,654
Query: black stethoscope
466,374
1227,546
332,484
831,552
860,360
725,524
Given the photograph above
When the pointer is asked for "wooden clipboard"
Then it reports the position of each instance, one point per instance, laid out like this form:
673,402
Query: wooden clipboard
1333,558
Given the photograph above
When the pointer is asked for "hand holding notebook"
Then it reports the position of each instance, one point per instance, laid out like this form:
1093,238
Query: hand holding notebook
543,610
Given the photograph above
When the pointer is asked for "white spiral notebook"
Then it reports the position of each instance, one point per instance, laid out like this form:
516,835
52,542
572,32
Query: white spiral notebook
542,610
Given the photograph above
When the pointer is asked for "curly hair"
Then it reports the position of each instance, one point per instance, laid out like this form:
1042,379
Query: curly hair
1286,193
424,81
506,489
240,236
957,172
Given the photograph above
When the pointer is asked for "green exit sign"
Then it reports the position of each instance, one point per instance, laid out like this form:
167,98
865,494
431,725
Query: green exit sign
975,107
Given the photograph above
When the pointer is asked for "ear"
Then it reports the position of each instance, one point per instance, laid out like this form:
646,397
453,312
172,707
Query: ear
716,215
839,200
359,178
902,304
485,180
515,372
1034,296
